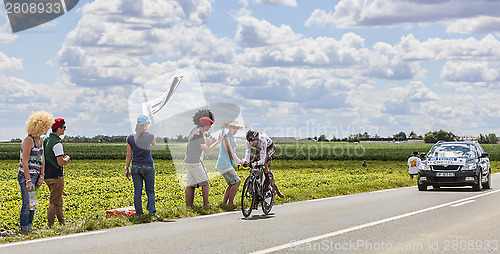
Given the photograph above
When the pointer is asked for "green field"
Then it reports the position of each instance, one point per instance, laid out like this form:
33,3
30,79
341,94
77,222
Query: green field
97,185
284,151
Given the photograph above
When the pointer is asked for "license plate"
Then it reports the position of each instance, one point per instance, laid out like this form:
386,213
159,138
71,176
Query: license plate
445,174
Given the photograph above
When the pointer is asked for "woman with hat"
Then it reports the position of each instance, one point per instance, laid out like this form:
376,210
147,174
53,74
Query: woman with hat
227,157
142,170
32,165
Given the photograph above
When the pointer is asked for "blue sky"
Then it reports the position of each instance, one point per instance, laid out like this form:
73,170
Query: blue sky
301,68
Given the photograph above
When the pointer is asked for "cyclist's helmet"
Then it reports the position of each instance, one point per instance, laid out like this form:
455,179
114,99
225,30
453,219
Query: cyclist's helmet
252,135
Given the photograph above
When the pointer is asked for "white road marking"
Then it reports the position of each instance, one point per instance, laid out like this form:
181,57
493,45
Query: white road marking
463,203
370,224
322,199
51,238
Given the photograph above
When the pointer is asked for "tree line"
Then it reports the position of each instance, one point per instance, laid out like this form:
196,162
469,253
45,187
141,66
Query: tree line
429,137
108,139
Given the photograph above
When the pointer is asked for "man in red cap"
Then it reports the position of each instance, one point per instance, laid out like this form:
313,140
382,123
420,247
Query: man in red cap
196,173
54,176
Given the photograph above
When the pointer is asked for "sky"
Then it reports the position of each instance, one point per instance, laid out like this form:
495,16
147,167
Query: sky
294,68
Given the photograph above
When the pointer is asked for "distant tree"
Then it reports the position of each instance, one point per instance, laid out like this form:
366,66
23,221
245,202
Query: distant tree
364,135
322,138
181,138
353,138
98,138
435,136
400,136
488,139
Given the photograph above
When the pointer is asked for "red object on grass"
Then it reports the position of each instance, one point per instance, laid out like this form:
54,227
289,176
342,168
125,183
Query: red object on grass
124,211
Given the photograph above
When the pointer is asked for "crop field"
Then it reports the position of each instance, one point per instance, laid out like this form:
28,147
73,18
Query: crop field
284,151
97,185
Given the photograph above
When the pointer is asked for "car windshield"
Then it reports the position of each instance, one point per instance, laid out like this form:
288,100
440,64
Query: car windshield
452,150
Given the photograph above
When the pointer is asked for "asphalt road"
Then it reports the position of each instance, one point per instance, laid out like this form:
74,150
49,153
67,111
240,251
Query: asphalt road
404,220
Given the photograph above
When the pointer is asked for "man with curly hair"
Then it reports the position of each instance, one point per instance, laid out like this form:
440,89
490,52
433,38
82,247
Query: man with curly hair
196,173
31,164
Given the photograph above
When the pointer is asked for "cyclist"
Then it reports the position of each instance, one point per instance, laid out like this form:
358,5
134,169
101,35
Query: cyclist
264,150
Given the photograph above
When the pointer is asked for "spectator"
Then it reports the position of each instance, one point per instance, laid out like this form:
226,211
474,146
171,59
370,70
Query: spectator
227,156
54,173
196,173
32,164
413,165
142,170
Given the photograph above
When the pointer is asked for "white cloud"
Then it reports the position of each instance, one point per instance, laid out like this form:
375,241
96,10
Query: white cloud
378,13
10,63
481,24
292,3
384,61
105,109
6,35
270,71
320,18
252,32
409,99
113,40
472,72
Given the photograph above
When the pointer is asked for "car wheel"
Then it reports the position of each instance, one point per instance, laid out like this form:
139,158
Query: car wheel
487,184
477,187
422,187
436,186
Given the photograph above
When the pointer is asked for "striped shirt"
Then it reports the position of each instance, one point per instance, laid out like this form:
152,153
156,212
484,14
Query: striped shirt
34,162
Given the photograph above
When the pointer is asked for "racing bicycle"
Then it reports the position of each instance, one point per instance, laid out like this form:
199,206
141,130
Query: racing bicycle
253,192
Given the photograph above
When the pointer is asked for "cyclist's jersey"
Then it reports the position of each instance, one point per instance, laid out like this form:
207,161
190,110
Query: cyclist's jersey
262,144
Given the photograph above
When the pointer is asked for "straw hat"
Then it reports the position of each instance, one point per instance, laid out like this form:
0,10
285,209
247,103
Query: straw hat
233,123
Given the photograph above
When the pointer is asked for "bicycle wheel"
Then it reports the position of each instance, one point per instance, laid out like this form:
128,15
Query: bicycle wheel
267,202
247,195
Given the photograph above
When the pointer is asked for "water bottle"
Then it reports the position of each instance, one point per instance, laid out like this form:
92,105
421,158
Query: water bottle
32,198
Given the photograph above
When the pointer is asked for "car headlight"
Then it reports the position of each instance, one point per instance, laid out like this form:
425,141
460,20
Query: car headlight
471,166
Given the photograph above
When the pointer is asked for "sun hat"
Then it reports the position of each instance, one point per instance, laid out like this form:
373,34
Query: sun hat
206,121
142,119
235,124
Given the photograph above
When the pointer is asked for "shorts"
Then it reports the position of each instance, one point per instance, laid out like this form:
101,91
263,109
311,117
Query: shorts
56,188
196,175
230,176
269,153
